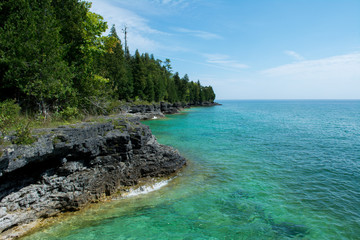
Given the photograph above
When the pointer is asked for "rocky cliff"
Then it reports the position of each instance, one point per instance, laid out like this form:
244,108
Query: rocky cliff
70,166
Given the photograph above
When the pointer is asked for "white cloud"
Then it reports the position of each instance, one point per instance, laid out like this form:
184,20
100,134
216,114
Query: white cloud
295,55
224,61
198,33
120,17
150,7
138,27
343,66
336,77
171,2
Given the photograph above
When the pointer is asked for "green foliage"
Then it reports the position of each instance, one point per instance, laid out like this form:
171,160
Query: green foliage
70,113
101,86
115,67
172,91
9,116
149,89
115,106
23,134
138,70
53,56
32,54
10,119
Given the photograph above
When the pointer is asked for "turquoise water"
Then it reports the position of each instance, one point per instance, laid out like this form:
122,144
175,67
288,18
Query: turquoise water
257,170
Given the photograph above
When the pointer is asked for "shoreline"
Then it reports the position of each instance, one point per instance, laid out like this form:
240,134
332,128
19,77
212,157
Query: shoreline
122,145
124,193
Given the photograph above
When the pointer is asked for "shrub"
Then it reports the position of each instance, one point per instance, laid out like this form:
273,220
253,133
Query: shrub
115,106
69,113
9,116
23,134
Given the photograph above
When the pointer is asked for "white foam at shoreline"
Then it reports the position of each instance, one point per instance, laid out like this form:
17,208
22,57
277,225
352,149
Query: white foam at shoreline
147,189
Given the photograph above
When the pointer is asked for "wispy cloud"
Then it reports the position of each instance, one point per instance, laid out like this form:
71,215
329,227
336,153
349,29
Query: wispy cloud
224,61
337,66
120,17
295,55
198,33
171,2
138,27
150,7
326,78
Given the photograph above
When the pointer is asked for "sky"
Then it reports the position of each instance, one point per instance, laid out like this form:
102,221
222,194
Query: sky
249,49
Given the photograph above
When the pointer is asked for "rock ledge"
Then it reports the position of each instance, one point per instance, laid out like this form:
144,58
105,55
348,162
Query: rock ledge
71,166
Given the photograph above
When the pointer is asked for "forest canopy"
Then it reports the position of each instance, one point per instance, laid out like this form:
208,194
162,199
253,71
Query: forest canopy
53,55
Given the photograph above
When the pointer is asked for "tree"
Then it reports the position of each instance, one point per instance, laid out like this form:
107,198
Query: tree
171,89
138,71
53,55
167,65
91,49
149,89
208,94
177,83
33,69
185,88
81,32
115,67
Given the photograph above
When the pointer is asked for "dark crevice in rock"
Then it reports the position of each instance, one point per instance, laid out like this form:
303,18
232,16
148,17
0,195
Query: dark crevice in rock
22,177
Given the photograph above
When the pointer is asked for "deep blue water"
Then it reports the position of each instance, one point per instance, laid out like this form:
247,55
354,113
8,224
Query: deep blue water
257,170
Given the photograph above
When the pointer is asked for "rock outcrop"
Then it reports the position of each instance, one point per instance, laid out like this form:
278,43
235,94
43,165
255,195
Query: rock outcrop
149,111
70,166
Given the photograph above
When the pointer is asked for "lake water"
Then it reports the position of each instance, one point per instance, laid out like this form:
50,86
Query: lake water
257,170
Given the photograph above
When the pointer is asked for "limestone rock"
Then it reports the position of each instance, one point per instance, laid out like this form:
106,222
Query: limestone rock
71,166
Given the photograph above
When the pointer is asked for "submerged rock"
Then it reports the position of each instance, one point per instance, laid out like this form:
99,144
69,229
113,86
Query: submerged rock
74,165
290,229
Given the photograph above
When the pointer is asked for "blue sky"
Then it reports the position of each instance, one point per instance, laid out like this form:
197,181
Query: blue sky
250,49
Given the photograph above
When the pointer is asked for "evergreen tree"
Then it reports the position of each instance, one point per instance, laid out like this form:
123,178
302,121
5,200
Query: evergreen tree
160,81
33,69
177,83
53,55
113,33
185,88
171,89
138,71
151,77
116,69
149,89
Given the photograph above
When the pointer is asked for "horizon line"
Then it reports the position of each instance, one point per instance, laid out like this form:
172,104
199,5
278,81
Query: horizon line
290,99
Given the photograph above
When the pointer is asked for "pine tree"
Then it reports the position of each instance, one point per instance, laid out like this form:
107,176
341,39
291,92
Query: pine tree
185,88
171,89
149,89
116,69
177,83
138,71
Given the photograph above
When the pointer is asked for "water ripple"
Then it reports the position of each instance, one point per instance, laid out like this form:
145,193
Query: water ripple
258,170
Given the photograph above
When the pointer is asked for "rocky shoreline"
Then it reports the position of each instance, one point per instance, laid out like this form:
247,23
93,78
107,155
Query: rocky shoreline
71,166
149,111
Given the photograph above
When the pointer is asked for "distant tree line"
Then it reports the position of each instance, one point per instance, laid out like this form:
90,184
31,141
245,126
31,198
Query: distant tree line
53,55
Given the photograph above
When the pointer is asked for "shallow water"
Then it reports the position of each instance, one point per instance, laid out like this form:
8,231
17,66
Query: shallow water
257,170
